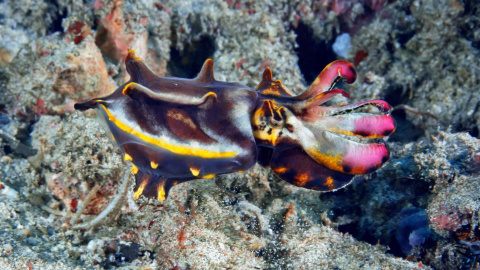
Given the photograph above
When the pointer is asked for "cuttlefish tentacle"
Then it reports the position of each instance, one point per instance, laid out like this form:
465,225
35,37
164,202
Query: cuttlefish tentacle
331,150
354,124
329,76
299,106
381,105
347,156
310,140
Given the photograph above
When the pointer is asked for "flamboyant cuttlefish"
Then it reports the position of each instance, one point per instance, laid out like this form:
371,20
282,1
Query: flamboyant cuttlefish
175,130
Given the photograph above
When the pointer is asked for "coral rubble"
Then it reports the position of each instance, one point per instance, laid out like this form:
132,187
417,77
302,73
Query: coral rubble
59,169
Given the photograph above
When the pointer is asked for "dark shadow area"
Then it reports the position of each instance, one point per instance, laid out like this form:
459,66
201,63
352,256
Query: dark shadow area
21,143
466,126
395,94
188,62
313,54
473,132
406,131
404,36
470,23
375,212
57,15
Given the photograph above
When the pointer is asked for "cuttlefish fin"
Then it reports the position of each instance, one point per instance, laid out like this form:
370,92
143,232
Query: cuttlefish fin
298,168
152,186
138,91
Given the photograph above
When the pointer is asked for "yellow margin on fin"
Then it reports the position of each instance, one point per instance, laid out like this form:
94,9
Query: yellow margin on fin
127,157
134,169
330,161
329,183
280,170
133,54
153,164
210,94
126,87
177,149
140,189
161,192
168,97
195,171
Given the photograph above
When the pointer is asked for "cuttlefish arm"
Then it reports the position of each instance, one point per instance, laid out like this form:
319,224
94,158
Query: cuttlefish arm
307,144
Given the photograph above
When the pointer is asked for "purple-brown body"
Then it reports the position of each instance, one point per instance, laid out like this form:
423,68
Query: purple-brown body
174,130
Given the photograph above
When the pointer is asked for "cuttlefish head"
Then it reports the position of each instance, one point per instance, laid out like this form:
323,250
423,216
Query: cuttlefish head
311,145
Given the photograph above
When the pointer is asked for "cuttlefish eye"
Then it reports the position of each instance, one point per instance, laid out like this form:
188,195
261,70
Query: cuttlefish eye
268,122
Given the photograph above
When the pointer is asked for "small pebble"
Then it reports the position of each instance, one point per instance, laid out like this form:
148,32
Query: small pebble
6,249
6,159
8,191
32,241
